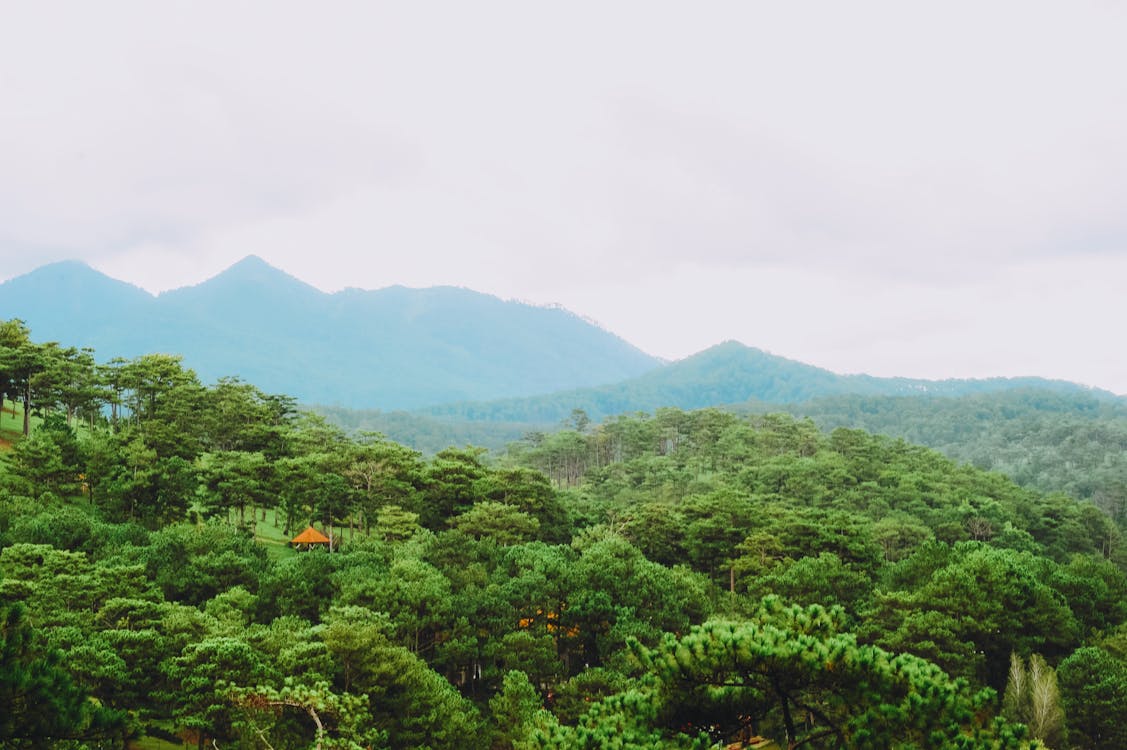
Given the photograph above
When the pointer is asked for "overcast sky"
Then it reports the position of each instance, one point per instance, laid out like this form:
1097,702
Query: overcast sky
921,189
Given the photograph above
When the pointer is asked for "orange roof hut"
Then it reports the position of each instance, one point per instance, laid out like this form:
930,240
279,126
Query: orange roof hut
310,537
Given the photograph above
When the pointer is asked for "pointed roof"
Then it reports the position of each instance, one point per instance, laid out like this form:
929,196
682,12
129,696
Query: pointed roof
310,536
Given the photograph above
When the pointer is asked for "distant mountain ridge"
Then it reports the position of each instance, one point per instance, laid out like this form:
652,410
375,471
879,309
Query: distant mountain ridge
727,374
443,353
391,348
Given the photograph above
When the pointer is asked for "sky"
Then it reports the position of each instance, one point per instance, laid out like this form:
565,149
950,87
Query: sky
919,189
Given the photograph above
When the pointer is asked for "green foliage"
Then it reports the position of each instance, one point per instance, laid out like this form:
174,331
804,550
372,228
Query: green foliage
553,597
38,467
201,677
973,612
382,474
449,485
513,711
414,705
60,586
395,524
40,704
824,579
575,696
301,586
237,416
192,564
334,721
497,521
790,673
625,721
1093,686
1048,440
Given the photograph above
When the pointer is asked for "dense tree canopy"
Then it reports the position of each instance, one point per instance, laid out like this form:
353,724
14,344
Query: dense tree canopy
684,579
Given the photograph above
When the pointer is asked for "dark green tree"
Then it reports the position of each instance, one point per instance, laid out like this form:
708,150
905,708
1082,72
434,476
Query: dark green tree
40,704
450,486
22,366
1093,687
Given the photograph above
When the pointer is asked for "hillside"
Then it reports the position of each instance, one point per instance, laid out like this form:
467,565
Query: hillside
148,591
1053,442
729,373
391,348
736,377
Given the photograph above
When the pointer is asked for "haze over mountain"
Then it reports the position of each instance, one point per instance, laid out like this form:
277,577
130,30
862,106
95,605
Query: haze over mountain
729,373
444,352
389,348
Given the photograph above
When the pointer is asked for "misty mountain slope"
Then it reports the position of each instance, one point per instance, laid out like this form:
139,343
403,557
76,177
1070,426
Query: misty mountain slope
391,348
449,353
72,303
729,373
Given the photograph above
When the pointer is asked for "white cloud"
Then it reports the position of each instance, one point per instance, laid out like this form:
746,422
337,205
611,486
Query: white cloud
867,186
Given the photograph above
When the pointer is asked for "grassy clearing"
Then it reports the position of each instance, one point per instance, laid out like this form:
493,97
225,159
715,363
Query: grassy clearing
163,737
154,743
11,425
269,535
277,543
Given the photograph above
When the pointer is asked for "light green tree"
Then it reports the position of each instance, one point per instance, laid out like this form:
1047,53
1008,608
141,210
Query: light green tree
502,523
513,711
395,524
1033,698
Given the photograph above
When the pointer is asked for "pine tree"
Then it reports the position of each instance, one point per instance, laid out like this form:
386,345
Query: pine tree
40,704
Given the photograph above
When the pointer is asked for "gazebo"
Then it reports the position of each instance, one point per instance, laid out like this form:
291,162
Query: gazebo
310,537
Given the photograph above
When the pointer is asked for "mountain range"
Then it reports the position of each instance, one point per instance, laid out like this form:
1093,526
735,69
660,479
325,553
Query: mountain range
444,353
728,374
392,348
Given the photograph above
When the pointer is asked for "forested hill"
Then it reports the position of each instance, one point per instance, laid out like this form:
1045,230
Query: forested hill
729,373
678,581
1051,441
390,349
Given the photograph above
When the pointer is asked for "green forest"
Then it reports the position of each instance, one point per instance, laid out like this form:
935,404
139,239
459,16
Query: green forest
1055,442
681,579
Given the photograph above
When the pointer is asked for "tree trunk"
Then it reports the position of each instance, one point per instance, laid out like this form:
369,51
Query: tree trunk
788,720
27,411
